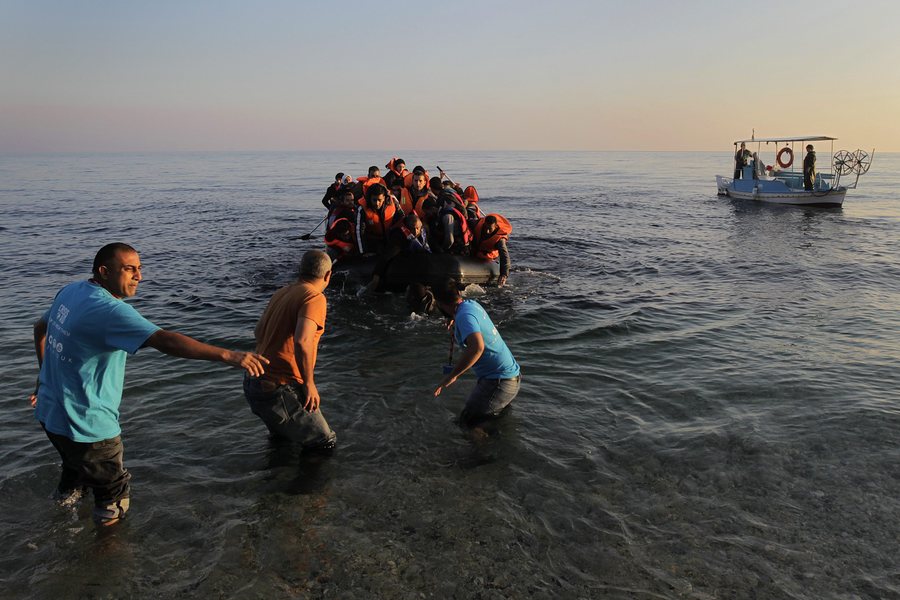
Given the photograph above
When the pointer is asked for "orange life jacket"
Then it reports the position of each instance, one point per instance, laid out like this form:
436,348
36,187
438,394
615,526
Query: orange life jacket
485,248
407,205
367,182
408,177
378,222
333,241
391,166
470,198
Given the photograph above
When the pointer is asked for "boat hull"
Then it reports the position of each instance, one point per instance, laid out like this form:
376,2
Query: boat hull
428,269
776,192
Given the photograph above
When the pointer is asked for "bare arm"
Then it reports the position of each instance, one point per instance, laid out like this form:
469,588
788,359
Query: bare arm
305,352
176,344
40,340
505,262
473,351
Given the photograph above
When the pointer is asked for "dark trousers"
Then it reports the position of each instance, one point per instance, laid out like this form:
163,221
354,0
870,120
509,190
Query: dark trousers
95,465
281,408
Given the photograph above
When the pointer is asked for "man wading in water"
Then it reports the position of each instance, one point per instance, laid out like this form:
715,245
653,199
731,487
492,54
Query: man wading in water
286,397
484,351
81,344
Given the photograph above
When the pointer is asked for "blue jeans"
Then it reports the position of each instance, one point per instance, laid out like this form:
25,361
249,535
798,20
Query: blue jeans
489,398
281,409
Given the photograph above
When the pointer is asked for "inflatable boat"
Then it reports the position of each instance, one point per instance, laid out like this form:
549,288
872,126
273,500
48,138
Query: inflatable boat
427,269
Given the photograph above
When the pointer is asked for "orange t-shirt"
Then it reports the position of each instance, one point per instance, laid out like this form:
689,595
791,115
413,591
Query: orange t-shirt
275,330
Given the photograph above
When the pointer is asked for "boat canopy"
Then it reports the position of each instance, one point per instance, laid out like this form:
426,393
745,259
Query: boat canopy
802,138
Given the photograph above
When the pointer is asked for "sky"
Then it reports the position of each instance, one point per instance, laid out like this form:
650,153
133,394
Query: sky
170,75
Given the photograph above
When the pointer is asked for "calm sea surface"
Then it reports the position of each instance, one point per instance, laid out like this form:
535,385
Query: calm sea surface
710,404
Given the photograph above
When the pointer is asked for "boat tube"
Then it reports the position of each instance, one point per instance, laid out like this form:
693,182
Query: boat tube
420,267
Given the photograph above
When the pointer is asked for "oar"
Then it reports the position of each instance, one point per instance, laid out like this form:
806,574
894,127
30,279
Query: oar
308,235
441,171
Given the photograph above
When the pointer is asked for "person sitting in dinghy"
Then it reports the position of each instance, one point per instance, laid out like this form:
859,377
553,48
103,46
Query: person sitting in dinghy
451,229
406,237
374,218
489,237
396,171
340,240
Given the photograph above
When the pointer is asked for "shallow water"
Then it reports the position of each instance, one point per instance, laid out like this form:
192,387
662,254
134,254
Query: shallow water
709,405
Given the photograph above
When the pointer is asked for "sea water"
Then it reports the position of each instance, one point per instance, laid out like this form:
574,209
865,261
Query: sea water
709,406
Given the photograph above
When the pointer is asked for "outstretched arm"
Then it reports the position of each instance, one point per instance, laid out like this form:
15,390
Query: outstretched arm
176,344
505,262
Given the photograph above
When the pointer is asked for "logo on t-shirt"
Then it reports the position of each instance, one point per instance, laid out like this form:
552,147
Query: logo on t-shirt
61,313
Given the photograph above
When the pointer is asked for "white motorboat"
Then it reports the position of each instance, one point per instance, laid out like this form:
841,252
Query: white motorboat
783,182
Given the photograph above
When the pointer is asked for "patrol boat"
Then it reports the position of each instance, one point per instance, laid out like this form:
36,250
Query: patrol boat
783,183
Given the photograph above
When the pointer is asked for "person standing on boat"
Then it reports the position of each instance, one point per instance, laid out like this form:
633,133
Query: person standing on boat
81,344
332,191
484,351
741,159
286,397
809,168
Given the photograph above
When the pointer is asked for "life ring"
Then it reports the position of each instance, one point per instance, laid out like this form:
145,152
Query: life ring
785,164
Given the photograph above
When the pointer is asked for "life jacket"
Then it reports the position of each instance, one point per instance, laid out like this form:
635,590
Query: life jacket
470,198
393,174
367,182
378,222
407,205
408,178
485,248
333,241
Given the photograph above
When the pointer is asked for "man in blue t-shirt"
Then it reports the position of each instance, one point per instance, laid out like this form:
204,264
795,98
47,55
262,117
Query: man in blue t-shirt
81,344
484,351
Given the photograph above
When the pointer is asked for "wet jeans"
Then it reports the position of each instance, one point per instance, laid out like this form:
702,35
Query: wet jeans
281,409
98,466
489,398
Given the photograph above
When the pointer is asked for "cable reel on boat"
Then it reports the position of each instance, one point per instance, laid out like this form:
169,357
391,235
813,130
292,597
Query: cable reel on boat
863,162
844,162
790,160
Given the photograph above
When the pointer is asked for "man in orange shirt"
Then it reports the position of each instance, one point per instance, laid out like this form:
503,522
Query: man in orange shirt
285,397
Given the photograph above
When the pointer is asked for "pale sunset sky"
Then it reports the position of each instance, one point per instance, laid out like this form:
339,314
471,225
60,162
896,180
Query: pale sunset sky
161,75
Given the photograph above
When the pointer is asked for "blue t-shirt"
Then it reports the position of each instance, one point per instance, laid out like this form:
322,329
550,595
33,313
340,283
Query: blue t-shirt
497,361
83,373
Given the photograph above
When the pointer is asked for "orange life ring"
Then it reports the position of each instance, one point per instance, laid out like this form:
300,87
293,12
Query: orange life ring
785,164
